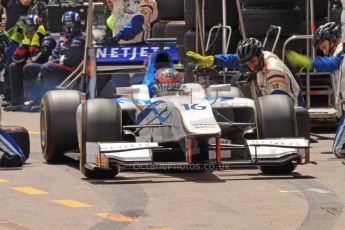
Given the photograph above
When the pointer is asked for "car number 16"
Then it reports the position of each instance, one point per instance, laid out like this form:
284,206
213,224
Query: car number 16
194,107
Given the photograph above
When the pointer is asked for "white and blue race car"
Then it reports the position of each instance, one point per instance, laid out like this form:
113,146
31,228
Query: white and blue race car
190,128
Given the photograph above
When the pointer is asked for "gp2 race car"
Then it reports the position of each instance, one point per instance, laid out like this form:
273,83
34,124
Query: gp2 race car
182,130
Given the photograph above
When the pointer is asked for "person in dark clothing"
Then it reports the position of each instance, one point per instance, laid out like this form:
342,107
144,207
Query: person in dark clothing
3,45
32,70
14,36
66,56
35,47
15,9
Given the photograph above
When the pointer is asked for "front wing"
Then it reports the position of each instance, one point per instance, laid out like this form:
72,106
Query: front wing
272,152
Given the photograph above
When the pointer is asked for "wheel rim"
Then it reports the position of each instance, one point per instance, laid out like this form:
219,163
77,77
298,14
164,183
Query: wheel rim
43,130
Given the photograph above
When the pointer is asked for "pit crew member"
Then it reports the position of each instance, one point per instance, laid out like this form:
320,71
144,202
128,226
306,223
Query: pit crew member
129,24
67,55
272,75
131,20
27,51
328,40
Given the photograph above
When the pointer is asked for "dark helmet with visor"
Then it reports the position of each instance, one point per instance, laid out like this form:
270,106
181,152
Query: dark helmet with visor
32,22
70,22
249,48
329,31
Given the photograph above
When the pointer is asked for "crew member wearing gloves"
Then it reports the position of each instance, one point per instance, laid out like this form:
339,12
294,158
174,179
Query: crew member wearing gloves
131,20
129,24
328,40
27,51
67,55
272,75
14,35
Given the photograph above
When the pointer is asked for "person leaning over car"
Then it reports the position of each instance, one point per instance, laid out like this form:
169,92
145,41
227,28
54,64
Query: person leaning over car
272,75
327,39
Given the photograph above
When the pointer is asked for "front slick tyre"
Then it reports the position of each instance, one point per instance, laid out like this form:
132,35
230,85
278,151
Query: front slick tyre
276,119
100,122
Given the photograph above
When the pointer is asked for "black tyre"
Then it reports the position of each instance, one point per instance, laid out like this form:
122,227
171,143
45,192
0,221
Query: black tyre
176,29
170,10
303,122
320,8
273,110
58,123
268,2
258,20
158,29
21,136
336,15
213,13
100,122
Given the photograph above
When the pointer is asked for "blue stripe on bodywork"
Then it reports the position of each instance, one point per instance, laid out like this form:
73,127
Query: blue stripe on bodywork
221,98
152,108
125,100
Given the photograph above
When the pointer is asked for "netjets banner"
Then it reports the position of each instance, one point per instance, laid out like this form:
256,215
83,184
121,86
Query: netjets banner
131,53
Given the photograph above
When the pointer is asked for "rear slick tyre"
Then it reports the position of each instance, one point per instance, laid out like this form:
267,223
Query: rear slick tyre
58,123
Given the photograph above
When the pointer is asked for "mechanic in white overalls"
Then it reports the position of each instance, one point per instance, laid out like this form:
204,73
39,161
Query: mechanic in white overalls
328,40
338,147
128,24
273,76
130,21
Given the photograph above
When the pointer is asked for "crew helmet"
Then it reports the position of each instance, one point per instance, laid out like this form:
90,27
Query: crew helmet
70,22
249,48
329,31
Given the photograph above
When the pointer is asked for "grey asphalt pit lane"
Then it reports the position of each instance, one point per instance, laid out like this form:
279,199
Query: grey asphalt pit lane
336,211
129,200
10,225
324,205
